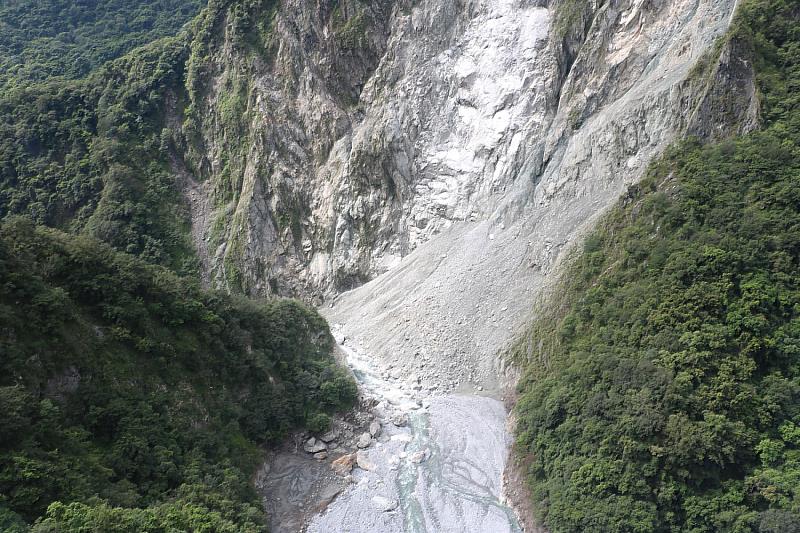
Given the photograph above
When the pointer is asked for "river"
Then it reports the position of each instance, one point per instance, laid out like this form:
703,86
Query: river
440,470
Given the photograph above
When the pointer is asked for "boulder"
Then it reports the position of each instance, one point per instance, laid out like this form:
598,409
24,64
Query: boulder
363,461
344,464
321,456
364,440
375,428
312,445
399,419
419,457
329,436
384,504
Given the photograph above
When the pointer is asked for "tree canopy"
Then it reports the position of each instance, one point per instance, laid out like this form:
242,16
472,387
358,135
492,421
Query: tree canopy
662,392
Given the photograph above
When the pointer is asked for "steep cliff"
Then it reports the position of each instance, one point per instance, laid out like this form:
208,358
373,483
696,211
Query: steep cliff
336,140
450,150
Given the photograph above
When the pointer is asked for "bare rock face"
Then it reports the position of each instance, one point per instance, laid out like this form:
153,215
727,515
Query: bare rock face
441,156
510,165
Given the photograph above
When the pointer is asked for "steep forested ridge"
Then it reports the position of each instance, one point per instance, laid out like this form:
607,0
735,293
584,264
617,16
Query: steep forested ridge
662,390
132,399
123,385
42,39
108,155
88,156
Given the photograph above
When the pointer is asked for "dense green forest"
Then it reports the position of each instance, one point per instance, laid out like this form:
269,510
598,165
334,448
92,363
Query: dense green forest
139,400
87,156
663,388
104,155
43,39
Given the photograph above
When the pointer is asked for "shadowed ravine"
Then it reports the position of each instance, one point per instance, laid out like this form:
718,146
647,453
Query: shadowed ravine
441,471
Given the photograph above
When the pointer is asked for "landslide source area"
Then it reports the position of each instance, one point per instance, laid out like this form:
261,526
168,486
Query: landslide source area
418,168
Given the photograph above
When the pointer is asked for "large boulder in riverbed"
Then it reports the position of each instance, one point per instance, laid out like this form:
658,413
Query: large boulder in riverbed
400,419
363,461
384,504
344,464
313,445
364,440
420,456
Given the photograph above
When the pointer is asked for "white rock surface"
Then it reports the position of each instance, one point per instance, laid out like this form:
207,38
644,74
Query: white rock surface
507,178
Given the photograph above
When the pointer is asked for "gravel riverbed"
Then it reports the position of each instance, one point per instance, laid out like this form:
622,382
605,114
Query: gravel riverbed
436,464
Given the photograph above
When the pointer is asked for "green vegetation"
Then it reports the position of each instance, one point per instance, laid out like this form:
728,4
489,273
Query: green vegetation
103,156
92,157
43,39
662,391
133,400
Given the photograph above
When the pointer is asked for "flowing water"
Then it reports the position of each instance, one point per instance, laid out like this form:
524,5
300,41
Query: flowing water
439,472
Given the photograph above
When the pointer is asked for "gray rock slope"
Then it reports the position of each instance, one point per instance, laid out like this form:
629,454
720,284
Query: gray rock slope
513,162
438,157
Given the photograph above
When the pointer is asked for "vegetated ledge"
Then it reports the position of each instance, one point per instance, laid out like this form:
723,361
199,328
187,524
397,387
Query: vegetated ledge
662,385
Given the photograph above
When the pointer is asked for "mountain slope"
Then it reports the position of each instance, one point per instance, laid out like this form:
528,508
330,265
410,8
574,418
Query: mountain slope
662,390
139,397
43,39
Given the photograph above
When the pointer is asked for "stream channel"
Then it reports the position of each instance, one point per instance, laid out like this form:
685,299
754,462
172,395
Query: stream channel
437,468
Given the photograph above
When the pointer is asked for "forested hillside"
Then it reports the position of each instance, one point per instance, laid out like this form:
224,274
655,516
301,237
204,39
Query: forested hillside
662,390
42,39
105,155
132,399
139,400
88,156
